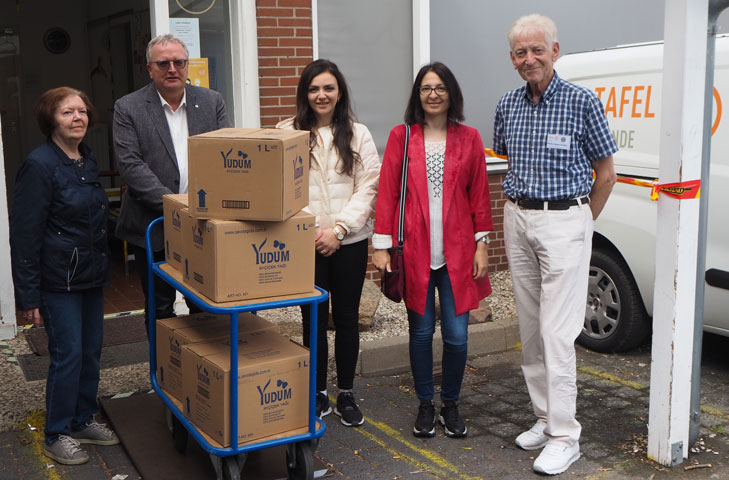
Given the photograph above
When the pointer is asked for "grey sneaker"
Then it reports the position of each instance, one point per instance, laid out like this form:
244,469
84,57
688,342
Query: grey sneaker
96,433
66,450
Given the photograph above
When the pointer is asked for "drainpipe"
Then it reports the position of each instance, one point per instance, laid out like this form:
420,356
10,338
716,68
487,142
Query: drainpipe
715,8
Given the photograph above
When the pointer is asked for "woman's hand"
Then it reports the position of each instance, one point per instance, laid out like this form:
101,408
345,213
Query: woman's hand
326,242
32,316
381,260
480,261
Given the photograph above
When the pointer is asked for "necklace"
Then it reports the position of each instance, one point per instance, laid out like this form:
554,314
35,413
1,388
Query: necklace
79,162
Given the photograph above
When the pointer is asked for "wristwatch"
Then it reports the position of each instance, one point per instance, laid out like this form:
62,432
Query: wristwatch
485,239
338,232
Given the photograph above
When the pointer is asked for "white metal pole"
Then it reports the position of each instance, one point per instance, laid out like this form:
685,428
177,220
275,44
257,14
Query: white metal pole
421,34
682,123
315,29
244,42
159,16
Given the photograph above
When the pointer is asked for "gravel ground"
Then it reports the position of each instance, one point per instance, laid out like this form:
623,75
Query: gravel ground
19,397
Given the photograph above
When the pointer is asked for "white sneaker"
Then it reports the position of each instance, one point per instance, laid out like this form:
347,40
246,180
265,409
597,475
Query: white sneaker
534,438
556,458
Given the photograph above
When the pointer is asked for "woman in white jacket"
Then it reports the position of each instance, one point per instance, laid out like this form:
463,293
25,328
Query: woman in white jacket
343,175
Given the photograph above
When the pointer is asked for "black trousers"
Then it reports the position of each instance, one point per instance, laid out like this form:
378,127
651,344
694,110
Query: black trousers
342,274
164,294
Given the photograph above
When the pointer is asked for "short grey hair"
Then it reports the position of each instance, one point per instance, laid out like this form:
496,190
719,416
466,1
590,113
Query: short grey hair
162,40
533,23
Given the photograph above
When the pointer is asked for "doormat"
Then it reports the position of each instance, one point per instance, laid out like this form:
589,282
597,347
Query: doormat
35,367
139,422
118,329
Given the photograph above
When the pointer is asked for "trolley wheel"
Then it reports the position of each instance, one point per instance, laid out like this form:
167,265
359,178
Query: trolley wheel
232,466
300,461
178,431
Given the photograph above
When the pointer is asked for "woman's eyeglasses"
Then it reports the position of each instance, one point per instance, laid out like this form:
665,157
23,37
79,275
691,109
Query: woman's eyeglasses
165,64
439,90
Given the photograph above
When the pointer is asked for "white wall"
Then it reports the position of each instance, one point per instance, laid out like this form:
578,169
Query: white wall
371,42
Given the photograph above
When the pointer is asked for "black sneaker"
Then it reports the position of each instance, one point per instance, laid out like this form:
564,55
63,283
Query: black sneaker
425,423
348,411
323,408
452,421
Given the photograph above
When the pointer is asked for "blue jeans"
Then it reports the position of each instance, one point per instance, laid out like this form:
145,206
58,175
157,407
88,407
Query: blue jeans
454,330
74,324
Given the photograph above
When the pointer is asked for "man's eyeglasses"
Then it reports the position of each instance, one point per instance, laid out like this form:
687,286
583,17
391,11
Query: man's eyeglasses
165,64
439,90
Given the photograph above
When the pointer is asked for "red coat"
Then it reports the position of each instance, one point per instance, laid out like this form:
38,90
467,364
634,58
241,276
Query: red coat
466,210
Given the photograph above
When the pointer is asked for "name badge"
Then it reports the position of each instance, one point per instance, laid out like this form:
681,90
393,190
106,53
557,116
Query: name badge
559,142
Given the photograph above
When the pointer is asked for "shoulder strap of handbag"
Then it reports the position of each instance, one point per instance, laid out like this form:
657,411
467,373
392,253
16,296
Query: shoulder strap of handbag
403,188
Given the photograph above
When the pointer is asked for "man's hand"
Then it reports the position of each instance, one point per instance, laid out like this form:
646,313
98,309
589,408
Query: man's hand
605,178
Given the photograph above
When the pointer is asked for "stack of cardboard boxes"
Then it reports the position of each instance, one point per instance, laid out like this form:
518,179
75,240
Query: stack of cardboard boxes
239,235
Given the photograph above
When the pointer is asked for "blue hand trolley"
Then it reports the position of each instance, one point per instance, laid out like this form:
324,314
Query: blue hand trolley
229,462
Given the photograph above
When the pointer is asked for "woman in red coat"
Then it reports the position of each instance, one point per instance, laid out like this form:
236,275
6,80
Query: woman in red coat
447,221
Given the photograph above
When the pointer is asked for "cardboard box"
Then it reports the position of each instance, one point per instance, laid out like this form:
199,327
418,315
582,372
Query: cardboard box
229,260
173,333
248,174
174,207
273,386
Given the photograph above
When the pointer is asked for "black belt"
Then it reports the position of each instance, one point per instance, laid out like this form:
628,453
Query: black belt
531,204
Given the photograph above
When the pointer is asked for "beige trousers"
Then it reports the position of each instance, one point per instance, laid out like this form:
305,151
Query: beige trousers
549,258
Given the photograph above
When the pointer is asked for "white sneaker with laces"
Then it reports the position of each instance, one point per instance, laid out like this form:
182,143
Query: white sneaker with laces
534,438
556,458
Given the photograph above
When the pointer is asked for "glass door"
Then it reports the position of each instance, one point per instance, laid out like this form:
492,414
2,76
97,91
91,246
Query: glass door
204,26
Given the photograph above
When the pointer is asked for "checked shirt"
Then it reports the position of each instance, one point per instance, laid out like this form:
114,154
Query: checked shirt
536,169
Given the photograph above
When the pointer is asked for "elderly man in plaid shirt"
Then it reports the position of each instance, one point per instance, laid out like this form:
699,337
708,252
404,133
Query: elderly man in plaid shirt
554,134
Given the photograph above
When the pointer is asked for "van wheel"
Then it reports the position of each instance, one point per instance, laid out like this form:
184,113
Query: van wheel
615,318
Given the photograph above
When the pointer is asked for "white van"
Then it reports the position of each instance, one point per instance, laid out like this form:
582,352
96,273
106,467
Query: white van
620,297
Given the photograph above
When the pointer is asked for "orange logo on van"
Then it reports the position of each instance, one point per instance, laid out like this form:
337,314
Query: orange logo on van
637,98
635,101
717,99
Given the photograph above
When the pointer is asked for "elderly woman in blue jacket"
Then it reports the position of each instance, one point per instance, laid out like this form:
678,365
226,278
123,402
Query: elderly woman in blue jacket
60,257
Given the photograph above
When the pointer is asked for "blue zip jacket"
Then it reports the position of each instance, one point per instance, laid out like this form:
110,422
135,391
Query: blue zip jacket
58,228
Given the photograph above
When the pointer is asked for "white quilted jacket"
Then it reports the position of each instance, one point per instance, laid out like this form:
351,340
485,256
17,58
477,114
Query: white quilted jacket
337,198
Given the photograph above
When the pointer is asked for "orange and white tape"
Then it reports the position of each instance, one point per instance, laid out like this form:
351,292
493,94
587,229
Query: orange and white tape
689,189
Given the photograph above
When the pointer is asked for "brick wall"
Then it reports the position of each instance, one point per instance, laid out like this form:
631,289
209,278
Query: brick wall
497,252
284,49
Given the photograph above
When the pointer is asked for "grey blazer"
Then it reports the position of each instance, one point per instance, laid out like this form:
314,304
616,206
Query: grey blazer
145,155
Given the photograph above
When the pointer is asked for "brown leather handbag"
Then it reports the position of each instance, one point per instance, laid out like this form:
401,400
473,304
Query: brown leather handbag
393,282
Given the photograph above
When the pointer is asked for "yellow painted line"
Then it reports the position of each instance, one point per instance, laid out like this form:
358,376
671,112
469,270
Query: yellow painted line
612,378
37,419
715,412
437,462
708,409
402,456
427,453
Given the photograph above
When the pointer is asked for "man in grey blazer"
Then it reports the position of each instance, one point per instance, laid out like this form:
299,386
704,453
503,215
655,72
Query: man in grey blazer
150,133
